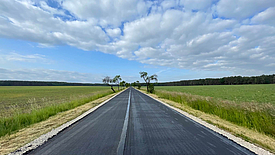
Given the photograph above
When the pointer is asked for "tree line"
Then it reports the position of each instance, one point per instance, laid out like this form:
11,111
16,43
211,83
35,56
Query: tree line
117,81
232,80
45,83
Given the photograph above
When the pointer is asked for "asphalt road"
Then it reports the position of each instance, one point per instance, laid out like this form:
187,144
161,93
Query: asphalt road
133,123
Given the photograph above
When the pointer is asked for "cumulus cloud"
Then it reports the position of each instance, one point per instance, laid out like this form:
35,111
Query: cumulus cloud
114,32
211,35
197,4
240,9
23,20
265,17
44,6
107,11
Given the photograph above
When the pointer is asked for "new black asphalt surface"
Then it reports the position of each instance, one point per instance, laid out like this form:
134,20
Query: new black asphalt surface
152,128
98,133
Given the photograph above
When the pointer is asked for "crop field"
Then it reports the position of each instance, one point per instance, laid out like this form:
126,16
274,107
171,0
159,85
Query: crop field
21,106
236,93
252,106
22,99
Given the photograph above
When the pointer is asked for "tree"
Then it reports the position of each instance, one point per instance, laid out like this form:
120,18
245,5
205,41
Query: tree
117,80
138,84
122,83
134,84
147,78
107,80
151,88
127,85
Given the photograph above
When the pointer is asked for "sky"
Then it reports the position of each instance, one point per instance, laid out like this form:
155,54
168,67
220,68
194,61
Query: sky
86,40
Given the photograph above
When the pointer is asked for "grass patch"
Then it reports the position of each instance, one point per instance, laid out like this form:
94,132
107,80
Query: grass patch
262,93
23,99
27,114
259,117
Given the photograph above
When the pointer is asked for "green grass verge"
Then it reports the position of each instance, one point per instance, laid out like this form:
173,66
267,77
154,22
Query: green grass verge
8,125
252,115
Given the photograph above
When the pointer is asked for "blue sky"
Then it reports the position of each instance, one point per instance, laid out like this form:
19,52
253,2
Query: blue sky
84,41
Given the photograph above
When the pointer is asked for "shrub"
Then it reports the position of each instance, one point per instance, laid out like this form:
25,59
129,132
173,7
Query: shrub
151,88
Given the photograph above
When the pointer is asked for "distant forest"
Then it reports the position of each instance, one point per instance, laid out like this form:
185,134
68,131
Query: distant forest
45,83
233,80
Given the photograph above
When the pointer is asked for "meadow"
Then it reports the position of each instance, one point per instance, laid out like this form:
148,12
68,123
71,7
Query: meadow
21,106
251,106
237,93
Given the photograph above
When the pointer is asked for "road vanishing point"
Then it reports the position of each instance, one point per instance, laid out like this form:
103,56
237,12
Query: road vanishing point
134,123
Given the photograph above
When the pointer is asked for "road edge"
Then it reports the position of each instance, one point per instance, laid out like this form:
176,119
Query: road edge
253,148
45,137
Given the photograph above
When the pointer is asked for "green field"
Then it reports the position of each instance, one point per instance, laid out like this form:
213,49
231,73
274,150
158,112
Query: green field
25,98
252,106
21,106
237,93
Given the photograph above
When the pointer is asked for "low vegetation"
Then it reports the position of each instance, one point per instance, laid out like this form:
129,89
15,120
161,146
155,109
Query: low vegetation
238,93
134,84
232,103
23,106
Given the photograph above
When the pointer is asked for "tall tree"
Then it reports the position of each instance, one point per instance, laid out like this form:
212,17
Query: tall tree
107,80
117,80
147,78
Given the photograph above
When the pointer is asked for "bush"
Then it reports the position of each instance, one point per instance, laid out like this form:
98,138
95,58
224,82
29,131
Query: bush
151,88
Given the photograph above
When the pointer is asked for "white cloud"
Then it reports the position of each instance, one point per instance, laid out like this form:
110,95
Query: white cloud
167,4
236,36
45,6
241,9
197,4
114,32
265,17
48,75
23,58
107,11
24,21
